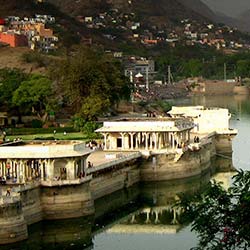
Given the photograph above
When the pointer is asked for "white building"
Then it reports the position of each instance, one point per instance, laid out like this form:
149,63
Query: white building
43,161
206,120
146,134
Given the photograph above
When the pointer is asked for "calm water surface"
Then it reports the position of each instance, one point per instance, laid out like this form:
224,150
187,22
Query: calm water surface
142,217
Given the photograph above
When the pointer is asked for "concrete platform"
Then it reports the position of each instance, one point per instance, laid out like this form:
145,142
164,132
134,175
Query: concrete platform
99,158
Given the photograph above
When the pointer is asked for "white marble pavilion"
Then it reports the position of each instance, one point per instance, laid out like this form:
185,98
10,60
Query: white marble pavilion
148,134
43,161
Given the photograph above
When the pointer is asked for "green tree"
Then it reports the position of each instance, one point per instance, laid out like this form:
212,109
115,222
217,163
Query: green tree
243,68
10,80
34,95
193,68
91,82
221,217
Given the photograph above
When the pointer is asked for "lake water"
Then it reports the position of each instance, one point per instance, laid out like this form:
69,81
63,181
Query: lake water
142,217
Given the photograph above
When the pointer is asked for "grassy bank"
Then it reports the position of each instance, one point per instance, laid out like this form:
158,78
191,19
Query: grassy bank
49,136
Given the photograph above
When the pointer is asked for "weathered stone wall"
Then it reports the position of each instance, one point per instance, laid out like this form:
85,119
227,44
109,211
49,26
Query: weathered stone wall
110,182
163,167
63,202
241,90
223,144
31,204
215,88
13,227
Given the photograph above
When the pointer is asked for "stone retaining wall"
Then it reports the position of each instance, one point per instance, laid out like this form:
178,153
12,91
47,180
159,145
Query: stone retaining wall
13,227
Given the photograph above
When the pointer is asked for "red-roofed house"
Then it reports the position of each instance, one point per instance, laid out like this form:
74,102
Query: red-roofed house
14,40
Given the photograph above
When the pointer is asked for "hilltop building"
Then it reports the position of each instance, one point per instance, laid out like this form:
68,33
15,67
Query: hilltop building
13,39
31,32
143,66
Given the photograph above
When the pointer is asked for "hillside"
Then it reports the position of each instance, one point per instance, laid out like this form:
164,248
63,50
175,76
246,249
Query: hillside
245,17
162,11
199,7
20,8
128,25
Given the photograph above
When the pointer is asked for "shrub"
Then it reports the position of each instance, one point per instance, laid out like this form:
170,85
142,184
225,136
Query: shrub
36,123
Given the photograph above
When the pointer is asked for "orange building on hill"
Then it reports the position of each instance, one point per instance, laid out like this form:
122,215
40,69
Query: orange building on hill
13,40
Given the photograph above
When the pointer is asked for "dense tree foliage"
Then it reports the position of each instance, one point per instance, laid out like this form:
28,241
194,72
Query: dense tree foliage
221,217
10,80
91,82
34,95
195,61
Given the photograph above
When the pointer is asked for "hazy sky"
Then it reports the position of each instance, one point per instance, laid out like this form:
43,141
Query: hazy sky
229,7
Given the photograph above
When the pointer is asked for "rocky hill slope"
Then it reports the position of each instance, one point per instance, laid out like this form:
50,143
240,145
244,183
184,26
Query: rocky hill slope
160,11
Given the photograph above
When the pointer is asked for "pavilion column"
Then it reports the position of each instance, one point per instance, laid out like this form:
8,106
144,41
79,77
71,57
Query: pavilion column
155,140
4,168
26,171
41,170
188,135
40,165
169,138
151,140
133,219
18,170
17,167
82,165
148,218
123,140
175,217
173,140
164,143
44,169
177,138
126,140
71,170
20,165
9,169
13,168
31,169
22,170
50,169
105,141
1,168
136,140
131,141
156,217
146,141
160,140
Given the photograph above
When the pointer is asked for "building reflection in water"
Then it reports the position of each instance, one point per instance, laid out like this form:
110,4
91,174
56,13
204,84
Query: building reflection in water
146,208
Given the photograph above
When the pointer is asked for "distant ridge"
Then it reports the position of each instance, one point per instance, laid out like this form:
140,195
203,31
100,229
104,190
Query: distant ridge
157,11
